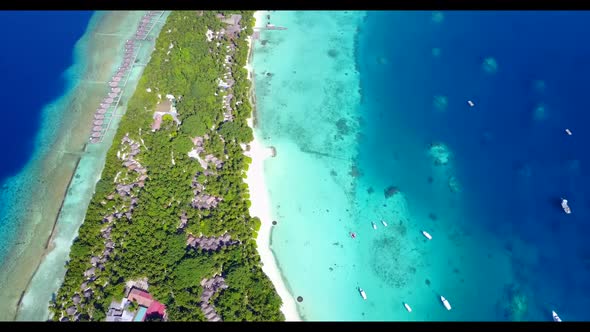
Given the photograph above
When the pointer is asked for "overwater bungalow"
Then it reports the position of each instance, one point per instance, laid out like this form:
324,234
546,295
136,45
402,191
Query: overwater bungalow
109,100
116,90
97,128
98,116
113,84
97,122
96,134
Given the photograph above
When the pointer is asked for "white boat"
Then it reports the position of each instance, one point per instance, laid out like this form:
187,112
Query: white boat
569,132
565,207
363,294
408,308
427,235
384,223
470,103
374,225
555,317
445,302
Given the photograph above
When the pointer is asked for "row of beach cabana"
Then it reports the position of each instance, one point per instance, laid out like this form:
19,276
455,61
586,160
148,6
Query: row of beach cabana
102,115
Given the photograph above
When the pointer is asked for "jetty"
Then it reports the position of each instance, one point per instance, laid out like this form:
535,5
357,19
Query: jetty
270,27
104,114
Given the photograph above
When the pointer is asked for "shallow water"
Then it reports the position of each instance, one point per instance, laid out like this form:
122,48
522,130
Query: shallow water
491,203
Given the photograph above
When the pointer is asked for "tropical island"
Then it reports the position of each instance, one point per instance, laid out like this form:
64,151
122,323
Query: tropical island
168,234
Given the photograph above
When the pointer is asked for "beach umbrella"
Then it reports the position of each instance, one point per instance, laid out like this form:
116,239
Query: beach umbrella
96,134
98,116
98,122
97,128
113,84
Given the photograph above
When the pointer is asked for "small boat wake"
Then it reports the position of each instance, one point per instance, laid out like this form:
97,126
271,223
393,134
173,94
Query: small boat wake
555,316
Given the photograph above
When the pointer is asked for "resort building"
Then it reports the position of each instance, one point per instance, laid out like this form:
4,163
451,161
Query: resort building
148,307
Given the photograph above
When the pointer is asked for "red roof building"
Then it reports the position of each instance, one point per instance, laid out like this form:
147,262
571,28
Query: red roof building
156,308
142,298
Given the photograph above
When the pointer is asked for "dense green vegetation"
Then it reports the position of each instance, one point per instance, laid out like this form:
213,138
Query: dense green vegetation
150,243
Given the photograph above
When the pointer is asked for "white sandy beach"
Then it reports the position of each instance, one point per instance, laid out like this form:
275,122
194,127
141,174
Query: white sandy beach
261,208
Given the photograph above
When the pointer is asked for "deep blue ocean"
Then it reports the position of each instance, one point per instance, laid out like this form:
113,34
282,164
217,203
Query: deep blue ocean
38,48
510,152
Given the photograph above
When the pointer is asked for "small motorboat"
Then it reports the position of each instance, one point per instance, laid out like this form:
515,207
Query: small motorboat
445,302
427,235
362,292
408,308
565,206
353,235
384,223
374,225
470,103
555,317
569,132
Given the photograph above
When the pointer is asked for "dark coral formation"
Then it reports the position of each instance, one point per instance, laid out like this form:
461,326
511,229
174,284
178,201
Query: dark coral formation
390,191
355,172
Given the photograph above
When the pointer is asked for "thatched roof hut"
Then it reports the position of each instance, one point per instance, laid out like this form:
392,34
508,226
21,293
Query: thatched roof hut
71,310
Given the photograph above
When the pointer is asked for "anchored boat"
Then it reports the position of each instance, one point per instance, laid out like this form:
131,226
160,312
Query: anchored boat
363,294
569,132
427,235
565,206
445,302
555,317
374,225
408,308
384,223
470,103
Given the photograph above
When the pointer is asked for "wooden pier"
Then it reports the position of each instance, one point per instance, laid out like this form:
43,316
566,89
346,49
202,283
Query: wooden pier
270,27
108,106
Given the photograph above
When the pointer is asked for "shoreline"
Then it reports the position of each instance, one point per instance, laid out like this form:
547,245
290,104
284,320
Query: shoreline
85,92
260,204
